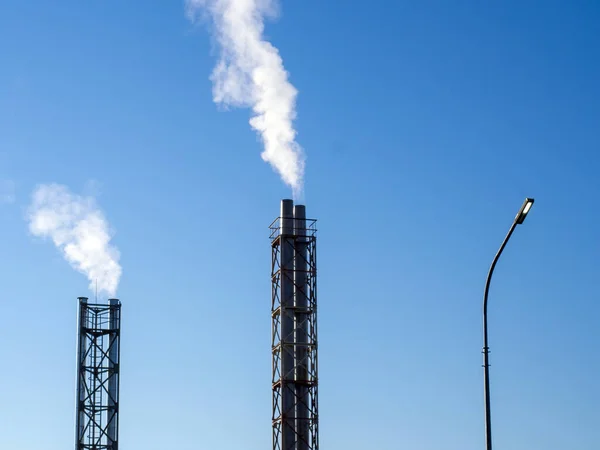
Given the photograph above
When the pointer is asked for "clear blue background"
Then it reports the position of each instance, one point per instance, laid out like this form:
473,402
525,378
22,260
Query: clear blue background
425,125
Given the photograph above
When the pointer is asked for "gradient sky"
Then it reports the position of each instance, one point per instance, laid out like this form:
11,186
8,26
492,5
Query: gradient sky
425,125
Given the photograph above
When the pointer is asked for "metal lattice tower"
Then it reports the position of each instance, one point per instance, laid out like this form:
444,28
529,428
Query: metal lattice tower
98,375
294,330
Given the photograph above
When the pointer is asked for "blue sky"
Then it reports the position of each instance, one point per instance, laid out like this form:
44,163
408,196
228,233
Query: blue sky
425,125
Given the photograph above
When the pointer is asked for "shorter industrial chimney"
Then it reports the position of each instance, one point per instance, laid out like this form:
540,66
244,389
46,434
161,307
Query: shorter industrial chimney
98,354
294,329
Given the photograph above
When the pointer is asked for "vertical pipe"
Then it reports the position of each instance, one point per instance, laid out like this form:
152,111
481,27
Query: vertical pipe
95,392
287,324
113,372
81,336
302,338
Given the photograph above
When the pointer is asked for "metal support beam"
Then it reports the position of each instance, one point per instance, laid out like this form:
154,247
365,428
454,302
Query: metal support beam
98,370
294,330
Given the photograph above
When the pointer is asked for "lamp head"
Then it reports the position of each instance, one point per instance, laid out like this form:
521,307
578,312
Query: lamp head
527,204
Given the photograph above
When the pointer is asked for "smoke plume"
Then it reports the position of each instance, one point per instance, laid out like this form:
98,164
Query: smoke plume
80,231
250,73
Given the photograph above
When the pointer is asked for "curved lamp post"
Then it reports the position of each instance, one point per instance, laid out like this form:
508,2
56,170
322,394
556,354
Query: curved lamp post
486,350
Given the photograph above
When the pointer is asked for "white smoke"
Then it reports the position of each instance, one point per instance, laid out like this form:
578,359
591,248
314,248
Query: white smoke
79,229
250,73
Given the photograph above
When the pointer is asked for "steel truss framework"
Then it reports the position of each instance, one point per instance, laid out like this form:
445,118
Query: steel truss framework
98,357
294,336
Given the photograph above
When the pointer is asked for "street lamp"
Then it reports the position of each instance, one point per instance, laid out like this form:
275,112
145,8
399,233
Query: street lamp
519,219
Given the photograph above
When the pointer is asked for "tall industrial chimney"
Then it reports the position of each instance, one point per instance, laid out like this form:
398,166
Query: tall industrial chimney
294,330
98,355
